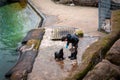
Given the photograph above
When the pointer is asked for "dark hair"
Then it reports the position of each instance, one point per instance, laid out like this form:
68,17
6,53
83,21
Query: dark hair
68,36
63,38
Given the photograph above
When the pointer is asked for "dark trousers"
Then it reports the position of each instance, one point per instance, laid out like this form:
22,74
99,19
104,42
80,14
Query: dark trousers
73,53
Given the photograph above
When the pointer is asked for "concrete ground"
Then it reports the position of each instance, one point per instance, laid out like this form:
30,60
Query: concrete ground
85,18
47,68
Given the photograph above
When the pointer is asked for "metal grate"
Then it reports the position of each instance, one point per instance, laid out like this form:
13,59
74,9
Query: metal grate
105,8
104,12
58,33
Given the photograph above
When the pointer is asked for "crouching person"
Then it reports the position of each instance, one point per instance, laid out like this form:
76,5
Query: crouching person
73,39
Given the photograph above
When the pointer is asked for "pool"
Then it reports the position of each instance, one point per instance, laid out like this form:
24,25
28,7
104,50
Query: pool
15,22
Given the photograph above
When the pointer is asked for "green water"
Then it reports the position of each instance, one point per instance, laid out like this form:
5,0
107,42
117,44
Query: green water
15,22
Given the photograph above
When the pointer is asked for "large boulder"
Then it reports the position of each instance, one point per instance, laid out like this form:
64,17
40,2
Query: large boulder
104,71
34,34
88,2
113,54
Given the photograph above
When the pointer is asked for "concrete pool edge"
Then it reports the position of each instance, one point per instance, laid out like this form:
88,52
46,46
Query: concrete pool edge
40,24
39,13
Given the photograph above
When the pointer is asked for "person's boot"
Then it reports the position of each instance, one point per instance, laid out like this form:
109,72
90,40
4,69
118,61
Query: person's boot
74,55
70,56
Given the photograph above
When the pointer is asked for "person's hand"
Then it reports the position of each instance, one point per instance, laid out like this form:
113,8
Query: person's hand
66,46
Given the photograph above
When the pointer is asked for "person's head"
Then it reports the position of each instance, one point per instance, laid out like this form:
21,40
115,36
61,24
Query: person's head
68,36
64,38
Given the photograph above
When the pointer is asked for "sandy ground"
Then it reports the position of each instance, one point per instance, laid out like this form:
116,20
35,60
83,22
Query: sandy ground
85,18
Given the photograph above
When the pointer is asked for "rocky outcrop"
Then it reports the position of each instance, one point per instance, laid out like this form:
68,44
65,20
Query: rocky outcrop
27,54
86,2
97,51
63,1
113,54
79,2
108,69
34,34
104,71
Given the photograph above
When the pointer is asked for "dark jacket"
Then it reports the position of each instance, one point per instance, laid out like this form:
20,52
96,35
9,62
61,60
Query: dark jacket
71,38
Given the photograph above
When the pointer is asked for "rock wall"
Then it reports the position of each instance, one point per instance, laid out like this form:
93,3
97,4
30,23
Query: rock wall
93,57
113,54
79,2
63,1
89,2
86,2
109,68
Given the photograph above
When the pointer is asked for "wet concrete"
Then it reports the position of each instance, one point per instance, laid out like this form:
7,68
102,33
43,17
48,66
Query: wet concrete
47,68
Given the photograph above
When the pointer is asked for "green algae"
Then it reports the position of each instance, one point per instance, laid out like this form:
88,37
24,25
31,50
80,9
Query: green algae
16,21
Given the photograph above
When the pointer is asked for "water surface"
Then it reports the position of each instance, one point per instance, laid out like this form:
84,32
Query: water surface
15,22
